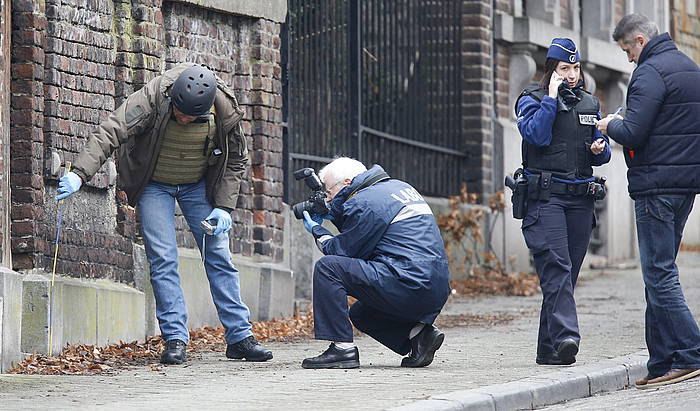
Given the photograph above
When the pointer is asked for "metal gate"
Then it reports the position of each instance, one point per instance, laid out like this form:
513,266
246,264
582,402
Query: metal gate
376,80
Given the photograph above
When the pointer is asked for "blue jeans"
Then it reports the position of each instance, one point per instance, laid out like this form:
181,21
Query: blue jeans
156,208
672,335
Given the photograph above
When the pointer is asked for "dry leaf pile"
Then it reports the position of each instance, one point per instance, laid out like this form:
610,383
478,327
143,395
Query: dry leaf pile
77,359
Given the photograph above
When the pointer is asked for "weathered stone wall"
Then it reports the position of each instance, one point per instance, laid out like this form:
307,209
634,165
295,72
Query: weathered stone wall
73,62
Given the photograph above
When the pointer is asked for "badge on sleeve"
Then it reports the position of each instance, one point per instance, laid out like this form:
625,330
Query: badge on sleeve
587,119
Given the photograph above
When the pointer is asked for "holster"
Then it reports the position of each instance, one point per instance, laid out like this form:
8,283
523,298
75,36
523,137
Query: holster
519,197
539,186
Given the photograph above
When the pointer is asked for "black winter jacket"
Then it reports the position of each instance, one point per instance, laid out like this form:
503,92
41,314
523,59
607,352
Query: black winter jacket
661,129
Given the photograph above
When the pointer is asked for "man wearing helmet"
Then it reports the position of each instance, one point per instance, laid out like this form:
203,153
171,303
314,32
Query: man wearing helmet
180,138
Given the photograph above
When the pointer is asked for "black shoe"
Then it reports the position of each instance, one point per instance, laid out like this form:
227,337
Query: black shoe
334,357
423,347
248,348
174,352
567,350
552,359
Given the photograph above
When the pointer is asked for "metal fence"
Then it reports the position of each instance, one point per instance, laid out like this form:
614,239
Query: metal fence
376,80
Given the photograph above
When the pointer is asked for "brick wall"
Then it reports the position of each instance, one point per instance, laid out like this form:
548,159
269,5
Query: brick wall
685,26
5,31
73,62
477,98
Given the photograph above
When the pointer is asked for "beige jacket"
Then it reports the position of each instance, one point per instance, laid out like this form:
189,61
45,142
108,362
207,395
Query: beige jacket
137,126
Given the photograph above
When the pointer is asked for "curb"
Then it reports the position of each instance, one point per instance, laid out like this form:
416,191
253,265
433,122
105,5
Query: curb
547,389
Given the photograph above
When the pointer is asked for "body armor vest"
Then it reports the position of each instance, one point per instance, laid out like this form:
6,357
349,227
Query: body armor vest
184,155
568,156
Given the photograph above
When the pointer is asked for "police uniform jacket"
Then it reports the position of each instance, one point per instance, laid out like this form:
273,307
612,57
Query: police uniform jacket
557,133
387,224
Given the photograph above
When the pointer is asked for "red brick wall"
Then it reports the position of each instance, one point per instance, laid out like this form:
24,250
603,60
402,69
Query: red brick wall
73,62
685,28
477,98
5,31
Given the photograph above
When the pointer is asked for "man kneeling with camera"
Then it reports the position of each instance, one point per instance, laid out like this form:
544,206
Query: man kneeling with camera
389,255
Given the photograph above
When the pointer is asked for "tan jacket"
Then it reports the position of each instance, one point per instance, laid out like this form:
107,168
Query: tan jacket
137,126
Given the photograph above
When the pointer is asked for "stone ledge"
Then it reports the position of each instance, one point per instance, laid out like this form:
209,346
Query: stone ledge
275,10
267,289
540,33
92,312
10,318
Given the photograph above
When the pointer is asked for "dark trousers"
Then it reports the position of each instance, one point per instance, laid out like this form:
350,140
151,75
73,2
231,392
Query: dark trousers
557,232
378,312
672,334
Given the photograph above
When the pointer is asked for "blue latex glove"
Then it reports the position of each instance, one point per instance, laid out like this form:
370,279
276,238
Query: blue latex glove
223,220
310,223
68,184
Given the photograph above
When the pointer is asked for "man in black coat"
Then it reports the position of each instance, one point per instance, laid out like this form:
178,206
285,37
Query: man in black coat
661,138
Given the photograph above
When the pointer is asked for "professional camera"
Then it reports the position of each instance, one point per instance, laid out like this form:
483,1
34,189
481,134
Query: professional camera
316,204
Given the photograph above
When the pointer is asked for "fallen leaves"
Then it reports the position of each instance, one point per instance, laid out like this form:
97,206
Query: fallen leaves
81,359
495,283
473,320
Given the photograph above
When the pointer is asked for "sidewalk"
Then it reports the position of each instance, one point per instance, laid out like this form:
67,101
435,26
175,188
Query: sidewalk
481,366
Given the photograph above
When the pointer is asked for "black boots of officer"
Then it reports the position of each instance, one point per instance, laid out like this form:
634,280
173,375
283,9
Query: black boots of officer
423,347
334,357
249,349
565,355
174,352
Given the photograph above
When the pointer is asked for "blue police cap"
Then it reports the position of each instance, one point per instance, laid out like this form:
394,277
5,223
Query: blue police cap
563,49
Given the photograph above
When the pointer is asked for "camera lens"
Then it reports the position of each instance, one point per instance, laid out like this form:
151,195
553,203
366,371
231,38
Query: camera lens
299,208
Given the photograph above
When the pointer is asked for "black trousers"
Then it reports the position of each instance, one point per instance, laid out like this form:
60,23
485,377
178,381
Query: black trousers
386,310
557,232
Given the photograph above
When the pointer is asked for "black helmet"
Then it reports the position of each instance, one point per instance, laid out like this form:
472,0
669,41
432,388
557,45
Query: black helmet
194,90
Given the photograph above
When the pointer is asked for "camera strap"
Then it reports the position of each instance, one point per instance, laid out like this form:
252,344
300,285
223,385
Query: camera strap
369,182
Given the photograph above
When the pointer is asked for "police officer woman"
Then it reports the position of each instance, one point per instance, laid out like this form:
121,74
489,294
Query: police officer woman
556,118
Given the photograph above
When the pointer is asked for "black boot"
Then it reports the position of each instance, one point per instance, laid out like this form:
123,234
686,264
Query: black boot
248,348
423,347
567,350
552,359
334,357
174,352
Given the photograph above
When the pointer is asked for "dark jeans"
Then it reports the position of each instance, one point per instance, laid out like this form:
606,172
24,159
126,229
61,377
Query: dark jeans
672,335
557,233
387,308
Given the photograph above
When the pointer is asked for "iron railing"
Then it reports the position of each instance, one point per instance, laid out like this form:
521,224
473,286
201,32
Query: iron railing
379,81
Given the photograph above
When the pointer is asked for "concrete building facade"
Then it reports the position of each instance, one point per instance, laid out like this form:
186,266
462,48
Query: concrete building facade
522,31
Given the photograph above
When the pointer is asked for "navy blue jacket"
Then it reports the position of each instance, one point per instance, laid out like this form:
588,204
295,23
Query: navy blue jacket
389,225
661,129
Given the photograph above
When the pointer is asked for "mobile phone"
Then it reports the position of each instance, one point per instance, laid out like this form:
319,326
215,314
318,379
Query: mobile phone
208,228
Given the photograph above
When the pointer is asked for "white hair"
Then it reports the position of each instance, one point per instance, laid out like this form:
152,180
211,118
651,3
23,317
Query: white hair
340,169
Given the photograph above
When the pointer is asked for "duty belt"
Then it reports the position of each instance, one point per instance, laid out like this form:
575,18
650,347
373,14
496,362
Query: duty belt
558,187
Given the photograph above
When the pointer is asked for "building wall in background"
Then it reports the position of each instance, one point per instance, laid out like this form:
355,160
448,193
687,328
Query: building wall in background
73,62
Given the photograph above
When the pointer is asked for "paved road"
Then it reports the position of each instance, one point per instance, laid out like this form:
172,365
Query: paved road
682,396
611,310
